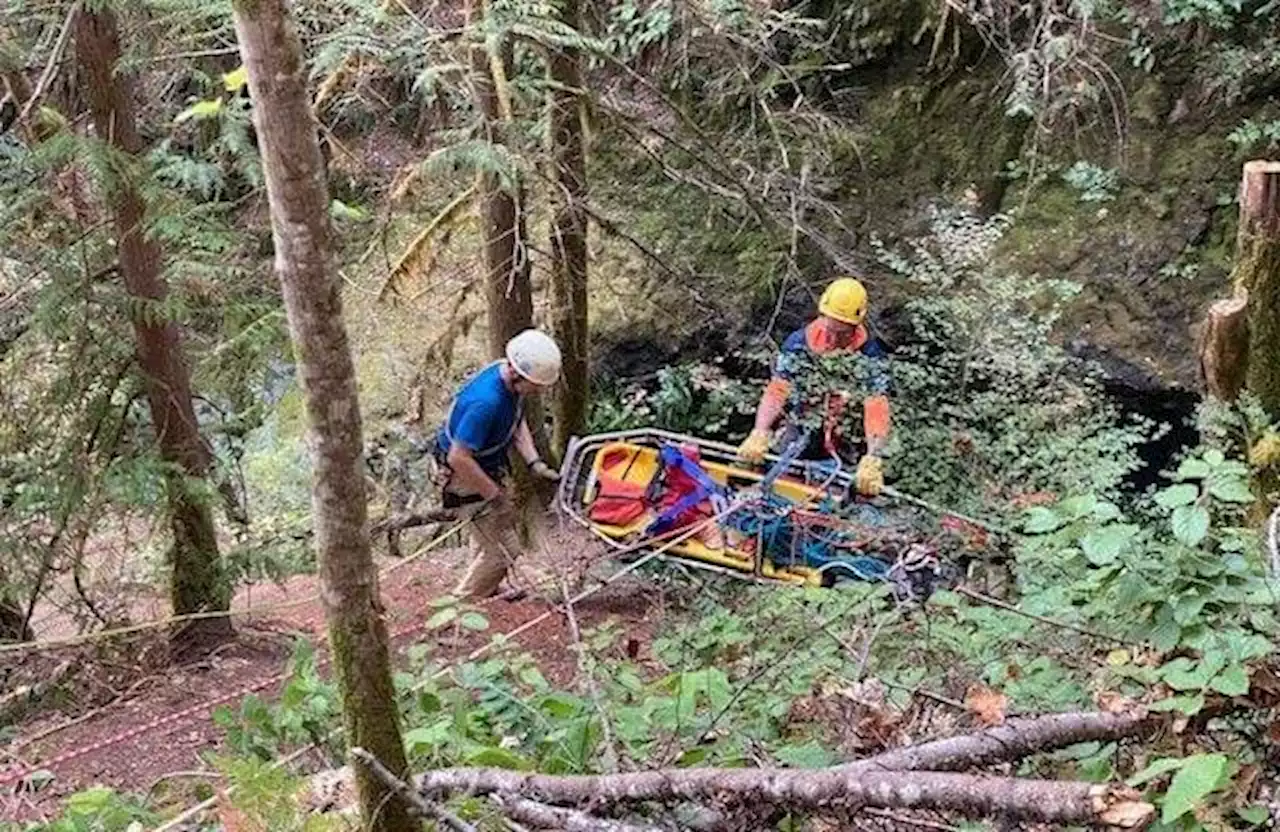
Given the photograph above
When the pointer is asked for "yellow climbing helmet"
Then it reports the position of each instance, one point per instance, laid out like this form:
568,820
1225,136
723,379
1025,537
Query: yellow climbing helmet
845,300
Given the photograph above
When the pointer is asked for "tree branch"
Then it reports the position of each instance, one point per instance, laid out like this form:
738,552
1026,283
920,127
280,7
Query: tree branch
416,802
1015,739
1045,801
542,816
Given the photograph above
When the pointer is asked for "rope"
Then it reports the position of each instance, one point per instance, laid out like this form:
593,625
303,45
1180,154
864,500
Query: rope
100,635
504,638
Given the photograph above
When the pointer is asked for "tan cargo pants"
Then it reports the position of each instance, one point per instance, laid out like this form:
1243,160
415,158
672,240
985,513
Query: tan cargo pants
495,545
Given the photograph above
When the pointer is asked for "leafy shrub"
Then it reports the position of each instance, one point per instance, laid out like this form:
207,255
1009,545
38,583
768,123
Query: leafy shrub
987,405
1095,184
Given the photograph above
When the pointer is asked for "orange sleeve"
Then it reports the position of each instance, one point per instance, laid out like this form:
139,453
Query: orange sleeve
776,391
875,419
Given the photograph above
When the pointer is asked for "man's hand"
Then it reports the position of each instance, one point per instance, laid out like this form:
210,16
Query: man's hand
755,446
545,471
870,477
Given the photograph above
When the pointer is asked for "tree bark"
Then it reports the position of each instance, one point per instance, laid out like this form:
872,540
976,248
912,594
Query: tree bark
198,583
508,289
1013,132
1044,801
542,816
568,234
1257,271
1224,346
299,201
1015,739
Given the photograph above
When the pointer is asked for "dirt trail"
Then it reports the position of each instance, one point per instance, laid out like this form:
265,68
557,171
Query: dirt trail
164,724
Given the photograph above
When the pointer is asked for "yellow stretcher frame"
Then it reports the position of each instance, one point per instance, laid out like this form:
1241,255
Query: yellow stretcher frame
638,463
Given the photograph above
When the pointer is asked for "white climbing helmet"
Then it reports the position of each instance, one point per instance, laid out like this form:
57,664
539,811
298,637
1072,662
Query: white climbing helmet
535,356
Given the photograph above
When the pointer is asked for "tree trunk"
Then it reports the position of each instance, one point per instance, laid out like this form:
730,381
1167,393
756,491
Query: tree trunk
507,268
198,582
1224,346
568,234
1257,271
1013,132
299,201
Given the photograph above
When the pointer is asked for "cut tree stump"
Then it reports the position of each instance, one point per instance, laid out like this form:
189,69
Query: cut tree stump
1224,346
1257,272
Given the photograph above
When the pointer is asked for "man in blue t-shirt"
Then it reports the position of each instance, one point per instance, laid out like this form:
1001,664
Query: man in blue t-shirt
485,419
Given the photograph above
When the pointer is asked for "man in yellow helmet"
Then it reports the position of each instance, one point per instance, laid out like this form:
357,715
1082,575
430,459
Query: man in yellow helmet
838,328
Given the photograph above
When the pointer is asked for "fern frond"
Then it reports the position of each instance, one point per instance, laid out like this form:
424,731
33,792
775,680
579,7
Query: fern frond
476,156
420,257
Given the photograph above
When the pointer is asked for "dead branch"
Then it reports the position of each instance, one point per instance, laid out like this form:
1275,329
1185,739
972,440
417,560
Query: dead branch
1046,801
409,520
542,816
419,805
1015,739
16,702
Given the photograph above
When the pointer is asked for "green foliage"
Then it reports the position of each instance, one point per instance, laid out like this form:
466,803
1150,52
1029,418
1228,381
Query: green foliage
306,712
1095,184
987,404
99,809
269,796
1252,136
697,398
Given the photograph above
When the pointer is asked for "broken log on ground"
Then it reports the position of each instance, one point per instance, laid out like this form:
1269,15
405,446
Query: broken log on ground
1044,801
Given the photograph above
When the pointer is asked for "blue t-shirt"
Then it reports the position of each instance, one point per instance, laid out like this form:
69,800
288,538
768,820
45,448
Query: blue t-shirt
483,419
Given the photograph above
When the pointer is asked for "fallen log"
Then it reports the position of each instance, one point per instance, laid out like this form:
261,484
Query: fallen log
1013,740
1044,801
543,816
409,520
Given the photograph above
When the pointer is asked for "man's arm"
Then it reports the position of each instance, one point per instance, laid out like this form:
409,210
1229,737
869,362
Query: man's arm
471,476
524,443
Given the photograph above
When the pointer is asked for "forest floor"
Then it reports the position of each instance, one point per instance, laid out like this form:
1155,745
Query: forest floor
128,720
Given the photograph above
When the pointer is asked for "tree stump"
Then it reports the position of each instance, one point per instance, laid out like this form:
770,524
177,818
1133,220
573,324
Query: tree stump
1257,273
1224,347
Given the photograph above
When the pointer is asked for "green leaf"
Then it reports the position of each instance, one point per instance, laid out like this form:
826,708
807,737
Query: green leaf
1189,705
1231,491
1157,767
474,621
1192,469
1182,494
1040,520
1199,777
441,618
235,80
1214,457
1181,674
200,110
1234,681
1102,546
1190,524
1256,814
499,758
809,755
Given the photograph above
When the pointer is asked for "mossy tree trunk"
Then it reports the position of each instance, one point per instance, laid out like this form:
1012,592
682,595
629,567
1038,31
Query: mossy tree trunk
568,233
199,583
508,284
1257,272
299,201
1013,133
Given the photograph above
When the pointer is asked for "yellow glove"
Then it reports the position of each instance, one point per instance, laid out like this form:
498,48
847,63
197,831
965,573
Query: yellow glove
755,446
870,478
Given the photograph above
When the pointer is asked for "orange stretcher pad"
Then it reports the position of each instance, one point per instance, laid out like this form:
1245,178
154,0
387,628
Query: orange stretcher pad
619,506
